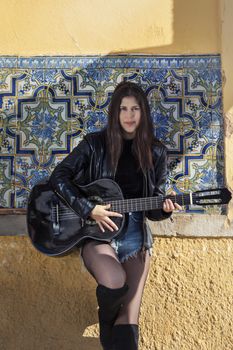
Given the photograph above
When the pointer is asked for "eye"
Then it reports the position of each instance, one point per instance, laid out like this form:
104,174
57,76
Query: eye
123,108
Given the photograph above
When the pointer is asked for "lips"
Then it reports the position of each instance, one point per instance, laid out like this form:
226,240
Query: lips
129,123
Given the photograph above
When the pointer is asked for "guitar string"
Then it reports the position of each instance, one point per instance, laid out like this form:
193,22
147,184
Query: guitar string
126,205
129,203
68,214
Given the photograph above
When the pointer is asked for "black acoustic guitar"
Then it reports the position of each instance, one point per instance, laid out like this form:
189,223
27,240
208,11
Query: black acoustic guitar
55,229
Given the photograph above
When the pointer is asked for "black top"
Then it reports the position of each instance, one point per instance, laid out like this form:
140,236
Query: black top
128,175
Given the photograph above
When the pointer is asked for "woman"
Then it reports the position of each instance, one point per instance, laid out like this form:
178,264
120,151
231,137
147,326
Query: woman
127,152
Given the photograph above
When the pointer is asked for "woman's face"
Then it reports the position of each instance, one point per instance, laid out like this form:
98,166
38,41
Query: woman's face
129,116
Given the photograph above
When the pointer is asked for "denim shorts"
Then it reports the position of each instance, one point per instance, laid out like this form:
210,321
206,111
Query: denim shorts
130,240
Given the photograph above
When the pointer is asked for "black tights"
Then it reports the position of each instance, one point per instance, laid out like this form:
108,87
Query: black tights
103,264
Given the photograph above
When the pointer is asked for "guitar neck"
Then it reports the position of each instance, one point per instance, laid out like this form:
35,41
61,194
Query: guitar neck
141,204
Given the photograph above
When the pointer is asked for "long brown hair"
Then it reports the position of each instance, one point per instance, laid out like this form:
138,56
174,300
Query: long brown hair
144,137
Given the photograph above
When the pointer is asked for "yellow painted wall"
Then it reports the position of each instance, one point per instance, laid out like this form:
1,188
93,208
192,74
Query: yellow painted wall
48,303
77,27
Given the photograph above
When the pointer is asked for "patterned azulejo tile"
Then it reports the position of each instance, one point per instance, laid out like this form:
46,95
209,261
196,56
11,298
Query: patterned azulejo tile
47,104
7,185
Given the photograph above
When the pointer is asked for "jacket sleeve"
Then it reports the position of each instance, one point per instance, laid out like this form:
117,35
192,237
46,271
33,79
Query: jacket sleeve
61,179
160,177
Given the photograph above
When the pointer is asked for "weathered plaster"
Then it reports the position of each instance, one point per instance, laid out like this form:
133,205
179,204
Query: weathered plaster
74,27
49,303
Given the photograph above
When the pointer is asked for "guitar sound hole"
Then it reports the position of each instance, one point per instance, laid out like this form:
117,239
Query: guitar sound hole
90,222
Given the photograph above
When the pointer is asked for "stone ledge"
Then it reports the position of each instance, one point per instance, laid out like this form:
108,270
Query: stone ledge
13,225
10,211
183,225
193,225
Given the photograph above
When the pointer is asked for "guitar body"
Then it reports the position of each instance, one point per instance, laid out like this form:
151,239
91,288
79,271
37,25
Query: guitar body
55,229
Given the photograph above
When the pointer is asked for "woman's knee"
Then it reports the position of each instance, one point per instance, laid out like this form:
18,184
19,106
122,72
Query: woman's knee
114,278
102,263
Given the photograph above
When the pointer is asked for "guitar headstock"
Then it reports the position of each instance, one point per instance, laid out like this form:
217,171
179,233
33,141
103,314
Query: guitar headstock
216,196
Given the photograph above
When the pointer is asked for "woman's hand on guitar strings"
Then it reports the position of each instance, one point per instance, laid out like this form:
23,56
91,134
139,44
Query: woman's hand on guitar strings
169,206
101,215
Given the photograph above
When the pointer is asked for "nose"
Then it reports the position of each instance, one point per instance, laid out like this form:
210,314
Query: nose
130,113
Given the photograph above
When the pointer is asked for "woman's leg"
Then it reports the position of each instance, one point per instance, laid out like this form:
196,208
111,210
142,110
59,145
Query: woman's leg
136,270
125,331
102,262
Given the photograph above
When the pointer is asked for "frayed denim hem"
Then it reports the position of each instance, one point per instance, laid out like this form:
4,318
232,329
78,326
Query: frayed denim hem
131,255
130,242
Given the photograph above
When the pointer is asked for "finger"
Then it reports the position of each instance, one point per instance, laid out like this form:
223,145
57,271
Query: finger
177,206
101,226
168,205
110,223
107,226
113,213
165,207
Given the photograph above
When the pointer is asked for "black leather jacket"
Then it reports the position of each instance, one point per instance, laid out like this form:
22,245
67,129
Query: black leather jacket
88,162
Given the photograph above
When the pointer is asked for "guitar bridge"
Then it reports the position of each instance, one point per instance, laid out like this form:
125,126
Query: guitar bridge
56,225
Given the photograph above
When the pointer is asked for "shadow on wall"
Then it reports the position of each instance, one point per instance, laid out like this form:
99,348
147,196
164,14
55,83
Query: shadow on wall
189,33
46,303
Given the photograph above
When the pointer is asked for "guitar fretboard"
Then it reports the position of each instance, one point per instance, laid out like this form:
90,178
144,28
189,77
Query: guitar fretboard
141,204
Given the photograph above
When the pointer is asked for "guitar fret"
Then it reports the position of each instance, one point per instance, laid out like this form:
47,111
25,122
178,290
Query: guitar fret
128,205
140,204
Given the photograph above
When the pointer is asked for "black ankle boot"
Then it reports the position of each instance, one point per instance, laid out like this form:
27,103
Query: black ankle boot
125,337
109,301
